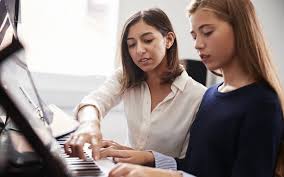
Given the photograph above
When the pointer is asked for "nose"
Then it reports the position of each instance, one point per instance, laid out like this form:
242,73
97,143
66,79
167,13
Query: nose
199,43
140,48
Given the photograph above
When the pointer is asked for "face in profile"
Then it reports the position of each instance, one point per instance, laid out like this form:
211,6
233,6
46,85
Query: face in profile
146,46
214,39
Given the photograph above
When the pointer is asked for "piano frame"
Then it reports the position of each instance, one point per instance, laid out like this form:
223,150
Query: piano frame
53,166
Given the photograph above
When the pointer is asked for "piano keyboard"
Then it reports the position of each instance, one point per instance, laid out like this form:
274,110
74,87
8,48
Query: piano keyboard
78,166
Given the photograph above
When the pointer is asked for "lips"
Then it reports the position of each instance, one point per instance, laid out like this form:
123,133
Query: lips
143,60
204,57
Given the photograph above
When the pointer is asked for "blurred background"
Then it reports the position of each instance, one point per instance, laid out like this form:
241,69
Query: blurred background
72,45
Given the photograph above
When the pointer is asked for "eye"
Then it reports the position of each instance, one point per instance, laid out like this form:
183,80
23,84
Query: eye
148,41
208,33
131,45
193,36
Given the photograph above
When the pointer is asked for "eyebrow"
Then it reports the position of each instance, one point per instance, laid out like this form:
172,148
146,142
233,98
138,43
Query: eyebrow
202,26
144,34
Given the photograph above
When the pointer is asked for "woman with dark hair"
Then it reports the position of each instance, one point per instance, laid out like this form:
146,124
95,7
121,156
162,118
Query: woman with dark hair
158,95
238,128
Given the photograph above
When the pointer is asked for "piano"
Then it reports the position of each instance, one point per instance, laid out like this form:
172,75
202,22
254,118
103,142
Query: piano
27,147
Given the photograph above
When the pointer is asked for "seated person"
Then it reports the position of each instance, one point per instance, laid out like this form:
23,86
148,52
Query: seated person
238,128
158,95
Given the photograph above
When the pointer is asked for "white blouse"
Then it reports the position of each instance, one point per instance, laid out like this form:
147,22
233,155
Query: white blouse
166,128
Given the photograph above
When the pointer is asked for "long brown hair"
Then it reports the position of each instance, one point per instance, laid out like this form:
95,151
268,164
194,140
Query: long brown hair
250,44
132,74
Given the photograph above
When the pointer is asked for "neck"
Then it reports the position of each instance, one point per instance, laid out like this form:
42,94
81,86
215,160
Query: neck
235,76
154,76
153,79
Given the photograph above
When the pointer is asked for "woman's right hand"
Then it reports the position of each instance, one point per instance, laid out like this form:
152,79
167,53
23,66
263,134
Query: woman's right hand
130,170
88,132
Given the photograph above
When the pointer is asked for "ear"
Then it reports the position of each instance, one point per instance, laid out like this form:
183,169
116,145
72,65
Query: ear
170,38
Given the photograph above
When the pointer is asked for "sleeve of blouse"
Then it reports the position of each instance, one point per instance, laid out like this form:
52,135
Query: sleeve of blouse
105,97
166,162
259,139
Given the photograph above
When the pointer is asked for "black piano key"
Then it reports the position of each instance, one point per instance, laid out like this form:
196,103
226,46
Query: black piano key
77,166
88,173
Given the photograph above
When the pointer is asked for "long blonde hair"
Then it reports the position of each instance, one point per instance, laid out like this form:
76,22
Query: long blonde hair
249,39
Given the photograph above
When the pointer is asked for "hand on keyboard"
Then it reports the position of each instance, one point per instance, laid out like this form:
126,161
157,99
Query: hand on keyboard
86,133
131,170
129,156
114,145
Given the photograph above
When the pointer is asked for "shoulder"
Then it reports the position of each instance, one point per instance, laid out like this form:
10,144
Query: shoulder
118,72
113,82
188,89
191,85
264,102
116,76
262,93
211,90
193,90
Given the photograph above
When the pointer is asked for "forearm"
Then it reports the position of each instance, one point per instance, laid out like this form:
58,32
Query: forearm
179,174
169,173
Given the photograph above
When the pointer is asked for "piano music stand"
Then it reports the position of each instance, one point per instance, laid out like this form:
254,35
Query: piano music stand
23,114
25,119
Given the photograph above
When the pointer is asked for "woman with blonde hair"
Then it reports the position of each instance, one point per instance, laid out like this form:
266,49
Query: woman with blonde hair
238,128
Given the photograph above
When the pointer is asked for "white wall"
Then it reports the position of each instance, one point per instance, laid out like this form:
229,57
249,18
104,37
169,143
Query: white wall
271,15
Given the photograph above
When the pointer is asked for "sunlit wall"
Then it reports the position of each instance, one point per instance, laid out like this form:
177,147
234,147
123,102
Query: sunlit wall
75,37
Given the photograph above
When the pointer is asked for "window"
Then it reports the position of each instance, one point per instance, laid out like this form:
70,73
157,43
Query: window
75,37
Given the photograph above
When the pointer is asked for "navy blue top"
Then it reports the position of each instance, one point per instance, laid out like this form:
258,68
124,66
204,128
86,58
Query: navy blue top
235,134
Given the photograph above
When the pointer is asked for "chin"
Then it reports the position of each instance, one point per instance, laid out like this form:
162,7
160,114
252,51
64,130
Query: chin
146,69
212,67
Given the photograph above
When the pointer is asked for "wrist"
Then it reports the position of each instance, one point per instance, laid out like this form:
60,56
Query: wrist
88,113
92,126
150,159
175,173
94,123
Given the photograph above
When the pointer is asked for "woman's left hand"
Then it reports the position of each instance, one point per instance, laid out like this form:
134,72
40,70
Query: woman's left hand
129,156
130,170
114,145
